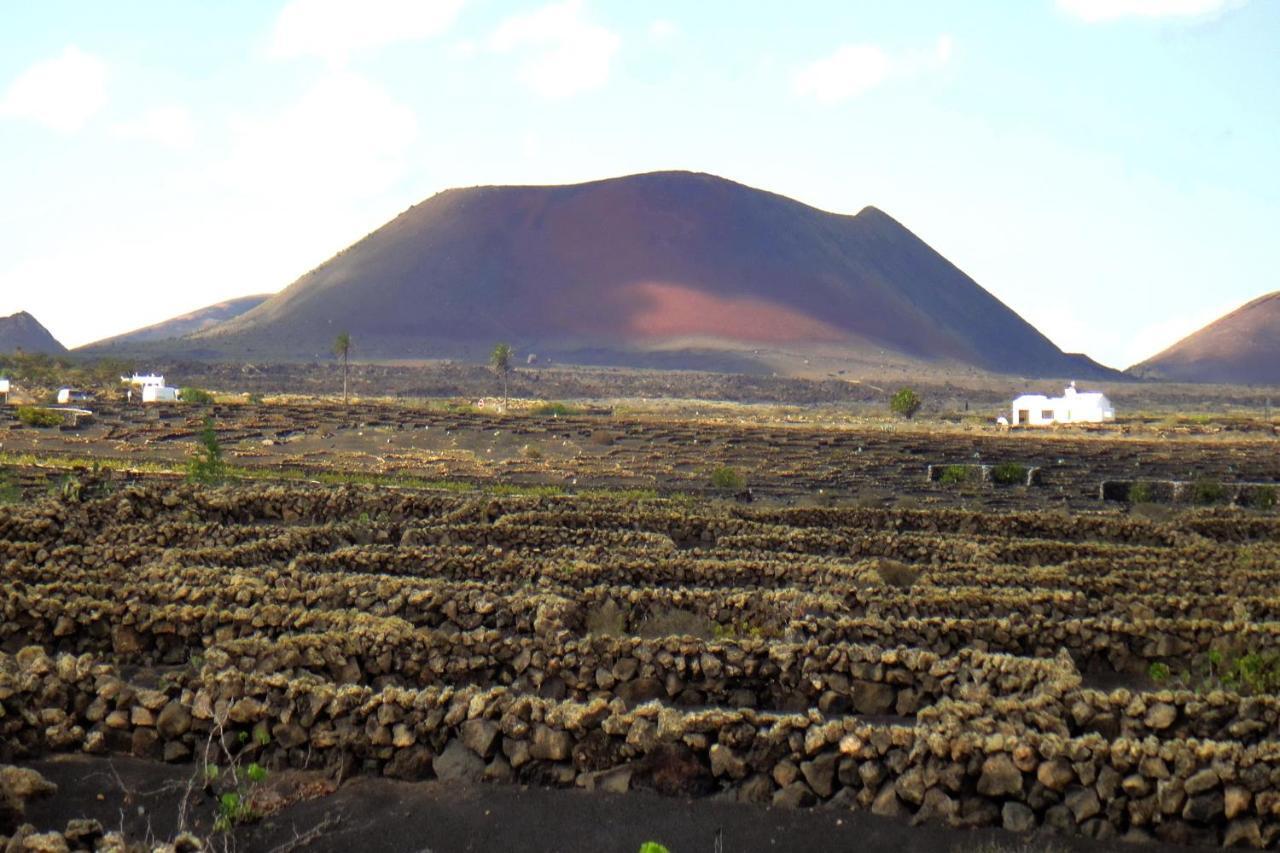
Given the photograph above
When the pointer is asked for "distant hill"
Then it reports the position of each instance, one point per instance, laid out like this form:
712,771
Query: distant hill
23,332
185,324
675,268
1242,348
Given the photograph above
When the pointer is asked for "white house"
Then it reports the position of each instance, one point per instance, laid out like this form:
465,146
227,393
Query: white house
71,395
4,390
143,380
1073,407
159,394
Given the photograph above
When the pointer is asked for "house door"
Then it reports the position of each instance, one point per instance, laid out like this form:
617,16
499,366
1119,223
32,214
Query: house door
1024,416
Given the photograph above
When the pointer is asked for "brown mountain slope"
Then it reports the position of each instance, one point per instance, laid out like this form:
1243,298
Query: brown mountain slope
1241,348
185,324
23,332
612,270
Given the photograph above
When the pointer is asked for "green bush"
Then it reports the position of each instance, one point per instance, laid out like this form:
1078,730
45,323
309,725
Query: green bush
1206,491
10,491
195,395
905,403
558,410
953,475
728,479
1140,493
653,847
208,466
34,416
1009,474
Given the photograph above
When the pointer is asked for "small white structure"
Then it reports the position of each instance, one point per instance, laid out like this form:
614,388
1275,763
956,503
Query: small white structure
4,390
143,380
1073,407
71,395
159,394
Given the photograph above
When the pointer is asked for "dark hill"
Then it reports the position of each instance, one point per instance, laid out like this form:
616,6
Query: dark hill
185,324
1242,348
23,332
614,271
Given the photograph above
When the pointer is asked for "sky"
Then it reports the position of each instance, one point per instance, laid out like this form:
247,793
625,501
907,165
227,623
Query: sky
1110,169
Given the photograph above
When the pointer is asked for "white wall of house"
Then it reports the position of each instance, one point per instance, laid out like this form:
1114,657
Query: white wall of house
1073,407
144,380
159,394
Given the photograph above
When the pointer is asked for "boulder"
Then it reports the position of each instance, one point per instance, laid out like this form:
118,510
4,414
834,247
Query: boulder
999,777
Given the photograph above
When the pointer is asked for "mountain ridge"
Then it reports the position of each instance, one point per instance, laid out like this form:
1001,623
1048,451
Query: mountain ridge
21,331
1241,347
622,268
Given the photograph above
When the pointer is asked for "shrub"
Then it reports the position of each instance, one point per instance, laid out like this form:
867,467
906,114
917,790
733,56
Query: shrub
728,479
1263,497
195,395
34,416
905,403
1158,672
530,452
10,492
208,466
1009,474
1140,493
954,475
1206,491
653,847
556,410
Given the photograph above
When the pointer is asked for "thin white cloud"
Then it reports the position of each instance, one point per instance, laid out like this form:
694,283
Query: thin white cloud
171,127
61,93
344,138
1095,11
335,29
565,52
854,69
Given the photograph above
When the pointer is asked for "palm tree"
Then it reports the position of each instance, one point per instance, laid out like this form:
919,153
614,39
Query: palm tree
342,349
500,360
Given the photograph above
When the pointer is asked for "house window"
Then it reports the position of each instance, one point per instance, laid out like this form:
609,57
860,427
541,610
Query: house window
1046,415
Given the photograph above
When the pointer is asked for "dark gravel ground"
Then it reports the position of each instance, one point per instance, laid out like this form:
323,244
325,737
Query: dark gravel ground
372,815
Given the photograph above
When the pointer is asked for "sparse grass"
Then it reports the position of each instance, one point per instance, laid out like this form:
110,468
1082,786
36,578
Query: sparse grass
1009,474
1262,497
676,622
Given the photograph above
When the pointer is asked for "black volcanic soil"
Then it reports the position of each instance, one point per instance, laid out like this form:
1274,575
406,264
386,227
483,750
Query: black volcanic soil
380,816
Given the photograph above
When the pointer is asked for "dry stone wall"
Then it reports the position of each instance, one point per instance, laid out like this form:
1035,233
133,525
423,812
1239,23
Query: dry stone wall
934,666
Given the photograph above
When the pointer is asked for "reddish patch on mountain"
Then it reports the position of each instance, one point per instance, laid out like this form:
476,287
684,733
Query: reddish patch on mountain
674,311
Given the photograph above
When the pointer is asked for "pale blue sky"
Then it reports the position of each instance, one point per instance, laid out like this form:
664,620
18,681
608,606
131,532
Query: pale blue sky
1108,168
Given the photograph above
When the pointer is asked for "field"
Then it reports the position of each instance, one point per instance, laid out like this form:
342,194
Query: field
574,599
